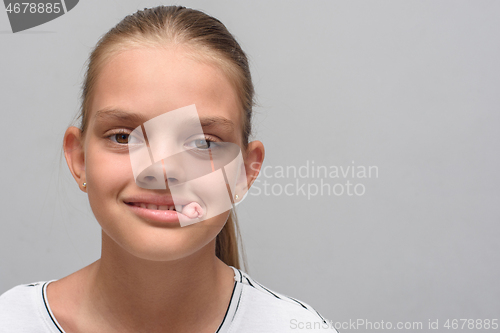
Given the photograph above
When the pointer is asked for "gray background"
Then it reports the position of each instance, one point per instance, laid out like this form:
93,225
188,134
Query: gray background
409,86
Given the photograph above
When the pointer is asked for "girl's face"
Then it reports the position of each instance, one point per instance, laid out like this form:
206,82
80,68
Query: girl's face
134,86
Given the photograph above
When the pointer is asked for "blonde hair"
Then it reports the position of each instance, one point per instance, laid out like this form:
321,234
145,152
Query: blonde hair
206,39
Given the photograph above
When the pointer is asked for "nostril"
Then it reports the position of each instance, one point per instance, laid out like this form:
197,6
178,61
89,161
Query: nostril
172,181
149,178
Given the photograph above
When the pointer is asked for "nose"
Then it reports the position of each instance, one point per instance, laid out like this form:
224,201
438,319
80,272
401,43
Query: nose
152,177
174,168
162,174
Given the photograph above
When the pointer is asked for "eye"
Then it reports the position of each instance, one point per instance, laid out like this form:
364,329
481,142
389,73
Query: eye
123,137
202,143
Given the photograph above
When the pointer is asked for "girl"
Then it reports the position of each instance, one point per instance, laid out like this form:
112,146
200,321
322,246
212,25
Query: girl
155,273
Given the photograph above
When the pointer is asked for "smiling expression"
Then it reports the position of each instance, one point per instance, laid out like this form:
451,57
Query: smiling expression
135,86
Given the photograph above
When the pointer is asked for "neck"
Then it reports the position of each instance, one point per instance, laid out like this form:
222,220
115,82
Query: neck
135,294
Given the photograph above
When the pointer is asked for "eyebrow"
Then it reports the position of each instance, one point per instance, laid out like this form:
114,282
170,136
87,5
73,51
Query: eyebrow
224,123
119,115
206,122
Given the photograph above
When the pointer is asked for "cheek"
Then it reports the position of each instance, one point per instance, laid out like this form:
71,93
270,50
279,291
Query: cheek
213,192
106,171
205,231
107,175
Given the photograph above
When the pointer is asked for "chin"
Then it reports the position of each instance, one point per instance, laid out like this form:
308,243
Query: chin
148,242
167,248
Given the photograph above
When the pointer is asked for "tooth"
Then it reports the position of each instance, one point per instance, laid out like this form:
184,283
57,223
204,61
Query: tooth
163,207
151,206
171,207
143,205
178,208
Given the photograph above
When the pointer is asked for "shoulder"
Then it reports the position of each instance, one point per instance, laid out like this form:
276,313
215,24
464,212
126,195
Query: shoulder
267,310
19,309
18,299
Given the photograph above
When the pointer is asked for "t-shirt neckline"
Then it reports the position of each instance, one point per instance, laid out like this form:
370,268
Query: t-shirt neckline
223,327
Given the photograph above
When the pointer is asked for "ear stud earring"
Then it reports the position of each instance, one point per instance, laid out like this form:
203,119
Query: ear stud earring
84,185
236,196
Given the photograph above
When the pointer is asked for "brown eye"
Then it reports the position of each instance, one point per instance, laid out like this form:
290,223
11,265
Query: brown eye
122,138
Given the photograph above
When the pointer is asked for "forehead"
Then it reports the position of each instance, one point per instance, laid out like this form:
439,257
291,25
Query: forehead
151,81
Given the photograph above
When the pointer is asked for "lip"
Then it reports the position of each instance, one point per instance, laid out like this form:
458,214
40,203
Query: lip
163,217
160,216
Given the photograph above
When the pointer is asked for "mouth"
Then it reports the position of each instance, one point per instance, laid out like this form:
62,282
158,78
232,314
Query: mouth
164,210
150,206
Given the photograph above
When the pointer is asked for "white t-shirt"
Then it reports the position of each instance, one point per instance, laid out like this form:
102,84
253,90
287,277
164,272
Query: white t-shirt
253,309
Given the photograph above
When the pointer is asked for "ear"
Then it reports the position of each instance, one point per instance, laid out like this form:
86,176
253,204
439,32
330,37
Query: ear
75,155
254,157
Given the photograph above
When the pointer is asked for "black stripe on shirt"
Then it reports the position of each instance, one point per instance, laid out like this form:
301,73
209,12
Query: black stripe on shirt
47,308
324,320
308,309
293,299
237,305
228,307
269,291
250,283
